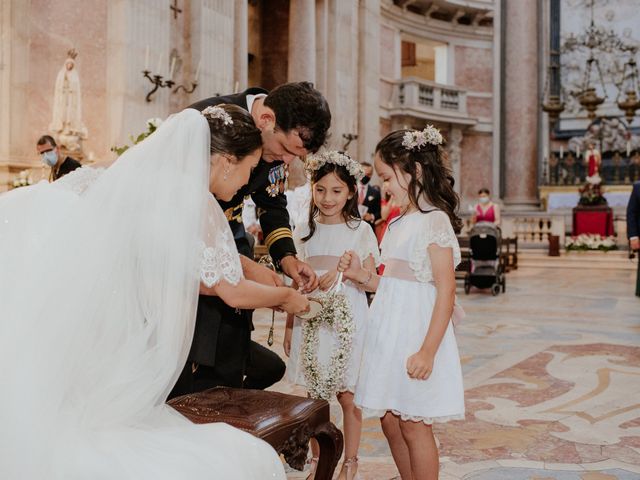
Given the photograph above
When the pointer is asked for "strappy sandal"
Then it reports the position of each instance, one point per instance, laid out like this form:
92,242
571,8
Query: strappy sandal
348,466
313,461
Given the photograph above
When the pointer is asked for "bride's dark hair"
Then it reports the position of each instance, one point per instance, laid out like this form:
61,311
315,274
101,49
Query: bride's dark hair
238,139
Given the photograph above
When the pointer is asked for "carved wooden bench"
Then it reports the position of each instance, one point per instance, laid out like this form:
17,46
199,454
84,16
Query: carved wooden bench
286,422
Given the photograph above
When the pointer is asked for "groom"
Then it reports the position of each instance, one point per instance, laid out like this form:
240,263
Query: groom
294,119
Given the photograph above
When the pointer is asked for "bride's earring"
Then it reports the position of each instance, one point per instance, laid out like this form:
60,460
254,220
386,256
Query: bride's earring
226,174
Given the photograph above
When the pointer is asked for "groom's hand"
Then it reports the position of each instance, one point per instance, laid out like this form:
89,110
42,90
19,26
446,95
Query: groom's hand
259,273
300,272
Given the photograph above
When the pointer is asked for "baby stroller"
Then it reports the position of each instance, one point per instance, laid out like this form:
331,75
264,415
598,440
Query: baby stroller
486,269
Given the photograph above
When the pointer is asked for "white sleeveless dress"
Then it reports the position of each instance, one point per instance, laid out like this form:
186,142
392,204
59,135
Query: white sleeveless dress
334,240
398,322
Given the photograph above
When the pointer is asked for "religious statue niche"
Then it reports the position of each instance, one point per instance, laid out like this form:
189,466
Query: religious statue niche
606,151
67,126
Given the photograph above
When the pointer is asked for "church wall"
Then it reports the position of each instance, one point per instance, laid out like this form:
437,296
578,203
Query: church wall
274,44
474,68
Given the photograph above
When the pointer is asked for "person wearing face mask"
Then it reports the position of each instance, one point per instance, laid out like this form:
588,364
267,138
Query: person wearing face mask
485,210
368,197
50,155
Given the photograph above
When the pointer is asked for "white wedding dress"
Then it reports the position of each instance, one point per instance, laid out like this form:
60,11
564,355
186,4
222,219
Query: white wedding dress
99,278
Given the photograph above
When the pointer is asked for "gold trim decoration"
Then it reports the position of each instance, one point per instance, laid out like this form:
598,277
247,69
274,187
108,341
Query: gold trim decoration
277,234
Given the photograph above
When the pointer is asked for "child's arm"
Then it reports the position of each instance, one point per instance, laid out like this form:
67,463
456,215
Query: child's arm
365,277
420,364
288,332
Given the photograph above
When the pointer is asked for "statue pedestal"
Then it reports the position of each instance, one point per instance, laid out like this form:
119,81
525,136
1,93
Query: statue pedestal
595,220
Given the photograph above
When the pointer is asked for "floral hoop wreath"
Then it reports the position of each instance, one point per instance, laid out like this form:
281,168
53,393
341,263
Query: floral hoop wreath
416,139
318,160
218,112
325,381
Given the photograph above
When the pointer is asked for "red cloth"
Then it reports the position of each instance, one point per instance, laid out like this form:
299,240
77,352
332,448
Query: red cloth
595,220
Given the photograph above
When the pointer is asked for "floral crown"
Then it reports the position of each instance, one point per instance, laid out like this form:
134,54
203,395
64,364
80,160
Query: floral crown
416,139
318,160
218,112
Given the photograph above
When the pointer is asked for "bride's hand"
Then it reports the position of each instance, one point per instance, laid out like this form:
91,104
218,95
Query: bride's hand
327,280
295,302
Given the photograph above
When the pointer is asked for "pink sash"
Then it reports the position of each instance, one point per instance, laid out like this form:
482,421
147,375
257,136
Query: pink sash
396,268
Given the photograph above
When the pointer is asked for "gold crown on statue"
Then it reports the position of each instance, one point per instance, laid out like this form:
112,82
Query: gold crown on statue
72,54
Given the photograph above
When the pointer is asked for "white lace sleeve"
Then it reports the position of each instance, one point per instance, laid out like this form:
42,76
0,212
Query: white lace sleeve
79,180
368,244
220,257
435,229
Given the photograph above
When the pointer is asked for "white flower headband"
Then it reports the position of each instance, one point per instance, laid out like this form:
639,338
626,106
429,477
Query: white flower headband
415,139
218,112
318,160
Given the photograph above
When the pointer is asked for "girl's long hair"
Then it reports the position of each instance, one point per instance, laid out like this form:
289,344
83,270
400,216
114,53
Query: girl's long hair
350,212
432,182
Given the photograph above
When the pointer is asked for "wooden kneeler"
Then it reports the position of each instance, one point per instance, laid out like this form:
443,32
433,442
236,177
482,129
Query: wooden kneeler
286,422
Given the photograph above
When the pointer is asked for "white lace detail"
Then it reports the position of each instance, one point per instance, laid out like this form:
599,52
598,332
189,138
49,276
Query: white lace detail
79,180
368,244
220,258
436,229
426,420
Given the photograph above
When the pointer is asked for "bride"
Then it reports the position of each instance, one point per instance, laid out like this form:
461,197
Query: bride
99,280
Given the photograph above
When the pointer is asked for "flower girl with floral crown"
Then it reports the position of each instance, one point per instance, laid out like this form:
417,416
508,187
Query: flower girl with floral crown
411,375
328,360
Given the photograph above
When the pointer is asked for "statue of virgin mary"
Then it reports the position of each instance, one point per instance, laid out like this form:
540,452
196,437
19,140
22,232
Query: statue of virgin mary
67,122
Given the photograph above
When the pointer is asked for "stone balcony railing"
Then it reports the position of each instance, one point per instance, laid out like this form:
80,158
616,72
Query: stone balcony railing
415,97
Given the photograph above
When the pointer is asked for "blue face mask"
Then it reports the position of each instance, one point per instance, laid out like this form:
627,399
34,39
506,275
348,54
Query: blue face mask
50,158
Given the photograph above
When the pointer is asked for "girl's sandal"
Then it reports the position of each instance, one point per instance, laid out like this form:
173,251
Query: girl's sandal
348,467
313,461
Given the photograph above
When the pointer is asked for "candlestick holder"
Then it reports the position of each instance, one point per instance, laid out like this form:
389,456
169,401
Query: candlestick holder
349,137
159,82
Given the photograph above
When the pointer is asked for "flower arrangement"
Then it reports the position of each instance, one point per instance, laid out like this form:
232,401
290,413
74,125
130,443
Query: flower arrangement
152,126
23,179
318,160
591,194
325,381
588,241
416,139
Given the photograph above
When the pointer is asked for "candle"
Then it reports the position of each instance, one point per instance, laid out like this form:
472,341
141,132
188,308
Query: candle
172,68
561,152
578,151
236,87
198,71
628,148
146,59
159,64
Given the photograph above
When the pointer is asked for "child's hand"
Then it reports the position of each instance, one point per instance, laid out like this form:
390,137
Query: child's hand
327,280
350,265
420,365
287,341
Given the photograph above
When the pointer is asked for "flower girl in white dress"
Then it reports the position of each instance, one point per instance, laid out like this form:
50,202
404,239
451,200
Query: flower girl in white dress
334,226
411,375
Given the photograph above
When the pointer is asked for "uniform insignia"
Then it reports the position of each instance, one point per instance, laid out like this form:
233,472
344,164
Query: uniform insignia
277,180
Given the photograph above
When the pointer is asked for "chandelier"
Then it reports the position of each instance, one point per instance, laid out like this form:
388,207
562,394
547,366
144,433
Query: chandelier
591,93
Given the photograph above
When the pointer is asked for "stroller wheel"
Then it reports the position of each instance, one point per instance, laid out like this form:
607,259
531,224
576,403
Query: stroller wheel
495,289
467,288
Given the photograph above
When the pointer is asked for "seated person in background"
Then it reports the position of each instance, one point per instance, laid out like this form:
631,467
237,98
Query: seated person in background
485,210
50,154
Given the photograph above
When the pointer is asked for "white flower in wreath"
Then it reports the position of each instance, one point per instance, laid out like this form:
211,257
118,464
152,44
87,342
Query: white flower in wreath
318,160
416,139
154,122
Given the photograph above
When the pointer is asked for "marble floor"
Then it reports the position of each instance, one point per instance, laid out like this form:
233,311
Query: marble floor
552,380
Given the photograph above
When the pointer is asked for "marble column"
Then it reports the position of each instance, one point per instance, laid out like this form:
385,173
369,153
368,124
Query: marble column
454,148
368,79
322,15
520,103
241,35
302,41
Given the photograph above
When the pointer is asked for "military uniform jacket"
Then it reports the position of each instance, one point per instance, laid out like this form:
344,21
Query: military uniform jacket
266,187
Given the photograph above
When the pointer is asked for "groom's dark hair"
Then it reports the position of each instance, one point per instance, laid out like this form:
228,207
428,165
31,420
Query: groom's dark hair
299,105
